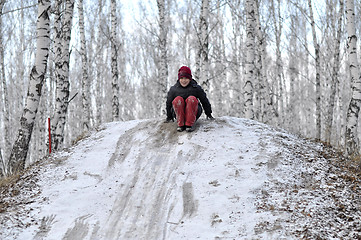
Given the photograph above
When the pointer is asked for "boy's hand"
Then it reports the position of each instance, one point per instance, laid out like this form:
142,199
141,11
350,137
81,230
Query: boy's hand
210,117
168,120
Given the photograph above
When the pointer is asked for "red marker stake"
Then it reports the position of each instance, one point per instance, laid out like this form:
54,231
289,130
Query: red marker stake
49,136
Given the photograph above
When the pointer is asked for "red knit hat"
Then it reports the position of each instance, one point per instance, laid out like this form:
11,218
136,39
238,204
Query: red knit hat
185,72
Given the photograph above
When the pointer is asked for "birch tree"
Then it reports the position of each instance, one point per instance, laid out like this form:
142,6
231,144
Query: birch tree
264,99
250,48
57,29
202,63
351,138
293,72
62,72
85,77
163,71
21,146
280,93
218,70
4,88
335,73
307,90
99,61
114,61
237,56
318,70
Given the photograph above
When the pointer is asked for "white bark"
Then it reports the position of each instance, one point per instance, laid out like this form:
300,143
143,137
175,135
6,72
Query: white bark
62,75
114,61
163,71
341,116
204,42
4,97
37,75
235,106
219,69
277,23
264,99
318,70
250,67
351,138
98,59
202,65
85,77
334,76
58,8
293,108
205,48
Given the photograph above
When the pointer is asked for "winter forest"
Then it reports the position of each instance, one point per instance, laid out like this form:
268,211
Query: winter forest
81,63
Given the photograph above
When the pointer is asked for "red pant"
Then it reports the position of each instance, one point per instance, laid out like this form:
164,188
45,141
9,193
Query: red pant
185,111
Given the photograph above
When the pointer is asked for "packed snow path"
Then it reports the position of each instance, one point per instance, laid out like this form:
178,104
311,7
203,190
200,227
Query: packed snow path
230,179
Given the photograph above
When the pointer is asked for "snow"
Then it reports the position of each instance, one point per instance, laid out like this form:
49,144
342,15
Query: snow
230,179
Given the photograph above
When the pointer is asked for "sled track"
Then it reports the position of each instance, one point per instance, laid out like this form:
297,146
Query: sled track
156,177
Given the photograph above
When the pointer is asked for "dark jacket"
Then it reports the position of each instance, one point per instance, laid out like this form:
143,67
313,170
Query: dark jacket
192,89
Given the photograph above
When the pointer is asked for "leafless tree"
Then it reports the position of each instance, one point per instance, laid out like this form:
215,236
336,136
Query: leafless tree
85,76
250,58
352,141
37,76
63,35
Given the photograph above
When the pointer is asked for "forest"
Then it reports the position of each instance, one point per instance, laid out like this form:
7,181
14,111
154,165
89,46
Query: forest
72,65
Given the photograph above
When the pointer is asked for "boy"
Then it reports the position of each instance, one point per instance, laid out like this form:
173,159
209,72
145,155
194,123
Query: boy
183,101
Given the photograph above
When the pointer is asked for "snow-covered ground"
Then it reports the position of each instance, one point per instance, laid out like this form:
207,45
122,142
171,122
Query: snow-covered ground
230,179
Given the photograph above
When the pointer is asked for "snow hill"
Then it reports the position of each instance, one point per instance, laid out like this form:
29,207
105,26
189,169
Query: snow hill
230,179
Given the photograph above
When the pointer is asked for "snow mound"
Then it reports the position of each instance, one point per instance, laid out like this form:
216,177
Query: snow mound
230,179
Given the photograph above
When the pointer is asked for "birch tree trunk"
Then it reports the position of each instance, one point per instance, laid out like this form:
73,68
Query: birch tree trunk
307,91
351,138
62,76
264,99
202,60
58,8
5,98
277,22
341,107
334,76
293,69
318,70
163,72
250,49
114,61
235,106
204,75
218,69
21,146
85,77
98,59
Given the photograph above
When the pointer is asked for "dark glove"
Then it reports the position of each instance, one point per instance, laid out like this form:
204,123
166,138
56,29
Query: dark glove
210,117
169,119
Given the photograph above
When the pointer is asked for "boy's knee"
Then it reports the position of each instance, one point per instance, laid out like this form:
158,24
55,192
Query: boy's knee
178,100
192,99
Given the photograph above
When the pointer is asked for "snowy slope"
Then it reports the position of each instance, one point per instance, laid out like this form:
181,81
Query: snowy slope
230,179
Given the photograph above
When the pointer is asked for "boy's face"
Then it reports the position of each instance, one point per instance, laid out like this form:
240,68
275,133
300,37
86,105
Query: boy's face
184,81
